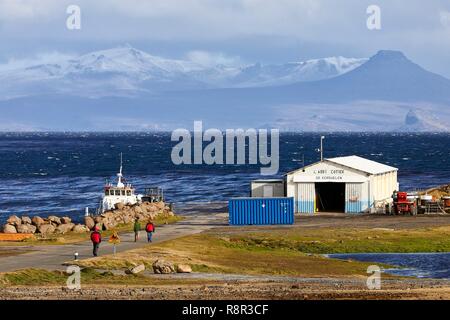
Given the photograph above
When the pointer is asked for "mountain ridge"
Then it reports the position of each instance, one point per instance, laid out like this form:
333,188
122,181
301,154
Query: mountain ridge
135,71
374,96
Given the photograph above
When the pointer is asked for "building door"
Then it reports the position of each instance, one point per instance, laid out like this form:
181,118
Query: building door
305,198
353,198
330,196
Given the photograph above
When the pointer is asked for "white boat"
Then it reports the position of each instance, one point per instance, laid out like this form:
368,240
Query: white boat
120,192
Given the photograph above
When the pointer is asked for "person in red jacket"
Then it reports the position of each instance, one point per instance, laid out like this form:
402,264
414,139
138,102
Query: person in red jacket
150,228
96,238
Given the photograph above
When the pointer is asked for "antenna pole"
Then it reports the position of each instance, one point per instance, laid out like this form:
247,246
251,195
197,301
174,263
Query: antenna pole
121,163
119,175
321,147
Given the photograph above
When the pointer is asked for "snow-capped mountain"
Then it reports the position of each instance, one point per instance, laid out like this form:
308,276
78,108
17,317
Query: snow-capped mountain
258,75
127,89
126,71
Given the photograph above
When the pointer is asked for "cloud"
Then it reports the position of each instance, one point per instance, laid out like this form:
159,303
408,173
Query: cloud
40,58
445,18
275,30
17,11
210,59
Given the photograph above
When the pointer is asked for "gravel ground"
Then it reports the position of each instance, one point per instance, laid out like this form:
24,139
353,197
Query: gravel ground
303,289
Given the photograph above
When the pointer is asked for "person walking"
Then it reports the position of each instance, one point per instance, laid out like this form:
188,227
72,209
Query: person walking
137,228
96,239
150,228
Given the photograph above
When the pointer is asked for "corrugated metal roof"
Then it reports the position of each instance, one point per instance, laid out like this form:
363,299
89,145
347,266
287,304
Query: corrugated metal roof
362,164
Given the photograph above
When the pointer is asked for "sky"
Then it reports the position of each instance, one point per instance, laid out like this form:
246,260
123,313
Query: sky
227,31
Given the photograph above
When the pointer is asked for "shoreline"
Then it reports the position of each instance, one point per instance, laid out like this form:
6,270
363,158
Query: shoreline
247,262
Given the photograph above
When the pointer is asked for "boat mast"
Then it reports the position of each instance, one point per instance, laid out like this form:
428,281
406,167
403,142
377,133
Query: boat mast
119,175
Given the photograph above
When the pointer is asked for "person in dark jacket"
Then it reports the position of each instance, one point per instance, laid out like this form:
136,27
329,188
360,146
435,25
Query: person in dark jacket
150,228
136,228
96,239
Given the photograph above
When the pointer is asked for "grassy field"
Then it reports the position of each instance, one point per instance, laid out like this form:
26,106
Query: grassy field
345,240
211,253
281,251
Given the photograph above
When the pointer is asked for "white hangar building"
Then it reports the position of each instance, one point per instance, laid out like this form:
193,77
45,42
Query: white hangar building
345,184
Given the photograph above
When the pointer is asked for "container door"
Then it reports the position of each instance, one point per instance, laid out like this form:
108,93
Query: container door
353,198
306,194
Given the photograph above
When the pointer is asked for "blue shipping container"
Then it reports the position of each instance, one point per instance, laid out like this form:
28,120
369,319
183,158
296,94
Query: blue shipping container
261,211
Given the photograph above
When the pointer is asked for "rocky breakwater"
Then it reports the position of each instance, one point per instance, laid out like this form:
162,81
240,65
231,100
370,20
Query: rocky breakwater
121,215
44,226
124,214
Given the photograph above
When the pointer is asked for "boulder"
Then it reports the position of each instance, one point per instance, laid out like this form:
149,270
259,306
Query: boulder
127,219
163,267
26,220
26,228
46,228
14,220
119,206
54,220
66,220
37,221
140,217
160,205
108,225
137,210
136,270
184,268
64,228
89,222
9,228
98,219
79,228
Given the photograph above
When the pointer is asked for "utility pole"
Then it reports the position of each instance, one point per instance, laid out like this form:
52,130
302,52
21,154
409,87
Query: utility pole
321,147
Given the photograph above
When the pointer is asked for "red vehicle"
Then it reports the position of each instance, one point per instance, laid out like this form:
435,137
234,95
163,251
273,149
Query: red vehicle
403,205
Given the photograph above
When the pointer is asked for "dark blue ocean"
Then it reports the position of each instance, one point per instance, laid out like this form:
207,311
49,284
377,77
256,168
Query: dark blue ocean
61,173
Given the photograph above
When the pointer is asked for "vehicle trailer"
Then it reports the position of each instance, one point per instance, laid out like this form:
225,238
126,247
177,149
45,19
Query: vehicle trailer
403,204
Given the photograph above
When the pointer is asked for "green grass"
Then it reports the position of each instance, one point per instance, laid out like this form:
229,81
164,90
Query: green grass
331,240
210,253
281,251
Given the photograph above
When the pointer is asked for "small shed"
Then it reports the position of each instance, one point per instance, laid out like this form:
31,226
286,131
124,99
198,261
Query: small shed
270,188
